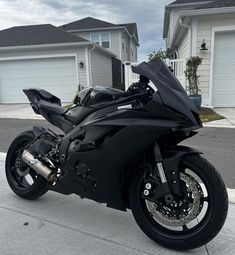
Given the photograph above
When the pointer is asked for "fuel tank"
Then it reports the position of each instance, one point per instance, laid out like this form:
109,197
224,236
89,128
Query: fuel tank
97,95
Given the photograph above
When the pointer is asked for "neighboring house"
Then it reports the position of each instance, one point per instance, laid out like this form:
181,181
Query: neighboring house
190,23
121,39
48,57
58,59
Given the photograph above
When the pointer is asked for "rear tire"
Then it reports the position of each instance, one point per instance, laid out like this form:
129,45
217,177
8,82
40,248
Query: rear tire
19,184
191,238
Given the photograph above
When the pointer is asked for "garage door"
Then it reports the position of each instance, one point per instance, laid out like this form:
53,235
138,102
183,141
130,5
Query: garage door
57,75
224,70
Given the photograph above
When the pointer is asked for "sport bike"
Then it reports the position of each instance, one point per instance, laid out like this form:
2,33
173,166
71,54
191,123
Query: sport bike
122,149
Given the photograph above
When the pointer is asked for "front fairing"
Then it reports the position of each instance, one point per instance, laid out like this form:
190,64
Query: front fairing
169,88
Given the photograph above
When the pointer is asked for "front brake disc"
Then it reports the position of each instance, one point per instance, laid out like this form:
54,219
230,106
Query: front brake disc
166,215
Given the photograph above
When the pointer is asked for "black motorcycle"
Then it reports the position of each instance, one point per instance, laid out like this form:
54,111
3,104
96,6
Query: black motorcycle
121,148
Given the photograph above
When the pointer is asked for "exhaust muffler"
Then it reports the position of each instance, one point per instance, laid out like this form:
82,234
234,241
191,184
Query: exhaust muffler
38,166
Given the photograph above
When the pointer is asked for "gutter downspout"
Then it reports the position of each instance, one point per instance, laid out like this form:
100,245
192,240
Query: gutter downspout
189,35
89,64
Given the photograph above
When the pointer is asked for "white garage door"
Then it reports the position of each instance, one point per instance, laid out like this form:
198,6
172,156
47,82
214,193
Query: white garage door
56,75
224,70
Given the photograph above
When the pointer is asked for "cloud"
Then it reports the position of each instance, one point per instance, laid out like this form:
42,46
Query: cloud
147,14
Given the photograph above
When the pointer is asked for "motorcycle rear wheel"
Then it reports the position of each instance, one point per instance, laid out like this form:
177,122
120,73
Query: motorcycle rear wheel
180,232
24,181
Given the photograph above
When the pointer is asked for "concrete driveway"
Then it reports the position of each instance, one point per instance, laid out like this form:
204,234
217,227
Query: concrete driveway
18,111
57,224
228,113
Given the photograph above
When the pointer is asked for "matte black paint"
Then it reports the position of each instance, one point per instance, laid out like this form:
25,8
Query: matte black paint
107,139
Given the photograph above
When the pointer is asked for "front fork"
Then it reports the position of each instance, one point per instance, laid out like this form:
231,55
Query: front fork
159,171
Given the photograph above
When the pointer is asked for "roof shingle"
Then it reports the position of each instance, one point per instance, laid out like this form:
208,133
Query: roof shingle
92,23
36,35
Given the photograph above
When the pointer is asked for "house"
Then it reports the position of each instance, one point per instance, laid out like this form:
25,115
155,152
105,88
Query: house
121,39
47,57
205,28
58,60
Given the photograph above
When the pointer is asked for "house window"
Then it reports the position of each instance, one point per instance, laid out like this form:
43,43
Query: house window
105,39
95,37
102,39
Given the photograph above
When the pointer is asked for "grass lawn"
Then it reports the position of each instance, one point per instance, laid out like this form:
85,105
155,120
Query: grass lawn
208,114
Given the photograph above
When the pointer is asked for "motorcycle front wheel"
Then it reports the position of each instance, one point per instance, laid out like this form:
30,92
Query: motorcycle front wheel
189,221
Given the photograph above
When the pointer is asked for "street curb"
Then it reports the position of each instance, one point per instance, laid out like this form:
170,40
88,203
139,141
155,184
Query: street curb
218,126
2,156
231,192
231,195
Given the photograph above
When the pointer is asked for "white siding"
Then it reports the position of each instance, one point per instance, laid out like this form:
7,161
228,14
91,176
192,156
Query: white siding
183,48
133,49
205,25
114,39
85,35
115,45
126,50
101,69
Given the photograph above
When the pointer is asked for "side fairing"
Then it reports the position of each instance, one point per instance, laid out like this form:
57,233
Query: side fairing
117,138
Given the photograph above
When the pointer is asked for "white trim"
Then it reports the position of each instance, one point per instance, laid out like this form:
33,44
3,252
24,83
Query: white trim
120,45
76,63
23,47
95,29
186,4
215,30
49,46
194,37
38,56
87,67
182,24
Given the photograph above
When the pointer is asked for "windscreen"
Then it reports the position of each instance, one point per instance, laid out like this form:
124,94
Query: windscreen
170,89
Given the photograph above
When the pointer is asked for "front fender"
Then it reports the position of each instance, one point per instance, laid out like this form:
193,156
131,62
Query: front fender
172,158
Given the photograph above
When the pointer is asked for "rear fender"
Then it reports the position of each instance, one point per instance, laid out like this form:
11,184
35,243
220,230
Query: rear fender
172,158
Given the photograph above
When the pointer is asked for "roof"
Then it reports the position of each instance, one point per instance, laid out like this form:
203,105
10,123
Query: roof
131,28
36,35
187,1
87,23
92,23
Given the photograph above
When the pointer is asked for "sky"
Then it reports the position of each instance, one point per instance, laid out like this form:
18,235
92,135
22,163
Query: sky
148,14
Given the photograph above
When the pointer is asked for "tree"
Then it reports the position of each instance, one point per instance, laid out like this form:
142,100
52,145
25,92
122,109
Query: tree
191,74
160,54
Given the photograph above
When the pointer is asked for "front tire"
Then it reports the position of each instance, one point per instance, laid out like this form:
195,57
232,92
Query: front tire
195,233
25,182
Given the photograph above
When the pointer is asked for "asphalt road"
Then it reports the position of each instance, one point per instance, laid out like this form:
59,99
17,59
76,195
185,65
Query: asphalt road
217,144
